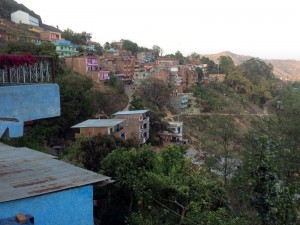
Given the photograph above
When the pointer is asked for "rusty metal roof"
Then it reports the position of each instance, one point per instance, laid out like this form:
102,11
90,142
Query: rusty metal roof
25,173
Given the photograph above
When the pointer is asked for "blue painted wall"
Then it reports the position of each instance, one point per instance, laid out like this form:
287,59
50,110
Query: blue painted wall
27,102
69,207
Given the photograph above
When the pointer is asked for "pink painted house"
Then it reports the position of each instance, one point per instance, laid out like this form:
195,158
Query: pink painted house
103,75
87,65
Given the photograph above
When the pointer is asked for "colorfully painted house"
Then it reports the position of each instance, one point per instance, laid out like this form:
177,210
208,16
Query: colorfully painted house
87,65
51,191
65,48
27,95
104,75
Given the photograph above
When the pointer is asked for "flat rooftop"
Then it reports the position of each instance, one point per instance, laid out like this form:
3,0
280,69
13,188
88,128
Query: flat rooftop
99,123
26,173
131,112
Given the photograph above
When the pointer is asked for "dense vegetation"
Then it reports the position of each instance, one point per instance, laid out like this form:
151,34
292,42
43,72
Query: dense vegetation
249,164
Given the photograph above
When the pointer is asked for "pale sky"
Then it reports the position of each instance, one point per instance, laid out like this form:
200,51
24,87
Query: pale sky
268,29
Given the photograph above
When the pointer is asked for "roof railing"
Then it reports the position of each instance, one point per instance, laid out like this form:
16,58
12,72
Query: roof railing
41,71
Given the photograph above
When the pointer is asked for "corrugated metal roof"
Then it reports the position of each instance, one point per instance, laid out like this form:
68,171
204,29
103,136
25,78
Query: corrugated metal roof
131,112
99,123
25,173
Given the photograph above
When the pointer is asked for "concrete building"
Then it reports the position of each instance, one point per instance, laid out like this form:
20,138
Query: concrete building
86,65
51,191
50,36
138,77
167,62
179,102
23,17
36,98
94,127
174,134
65,48
138,124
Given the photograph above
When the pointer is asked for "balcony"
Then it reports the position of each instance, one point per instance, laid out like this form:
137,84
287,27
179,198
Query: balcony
27,94
40,72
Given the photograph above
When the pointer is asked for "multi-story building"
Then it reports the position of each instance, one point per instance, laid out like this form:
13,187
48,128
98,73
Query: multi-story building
65,48
87,65
180,101
137,124
167,62
95,127
174,133
163,75
50,36
138,77
23,17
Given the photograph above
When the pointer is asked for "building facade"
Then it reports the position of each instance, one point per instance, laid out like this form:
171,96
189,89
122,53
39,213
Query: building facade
23,17
65,48
138,124
50,36
52,191
174,133
95,127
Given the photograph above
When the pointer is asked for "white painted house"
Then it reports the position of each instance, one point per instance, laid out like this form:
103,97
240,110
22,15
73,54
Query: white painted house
23,17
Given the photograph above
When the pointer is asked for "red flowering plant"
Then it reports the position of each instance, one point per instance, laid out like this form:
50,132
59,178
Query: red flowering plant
8,61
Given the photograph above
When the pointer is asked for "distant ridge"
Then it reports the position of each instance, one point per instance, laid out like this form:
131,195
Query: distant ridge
285,69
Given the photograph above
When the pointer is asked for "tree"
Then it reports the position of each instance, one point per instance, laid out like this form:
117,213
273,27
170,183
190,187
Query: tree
157,51
272,198
164,188
211,66
155,91
225,136
180,57
256,69
106,46
77,100
89,152
200,73
130,46
226,64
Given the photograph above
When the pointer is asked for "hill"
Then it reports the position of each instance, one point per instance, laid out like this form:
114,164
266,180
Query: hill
9,6
285,69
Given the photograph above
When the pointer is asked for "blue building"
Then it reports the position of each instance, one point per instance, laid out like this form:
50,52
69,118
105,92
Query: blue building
65,48
27,93
51,191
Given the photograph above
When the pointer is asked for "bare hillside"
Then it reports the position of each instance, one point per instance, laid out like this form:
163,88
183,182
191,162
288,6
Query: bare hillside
285,69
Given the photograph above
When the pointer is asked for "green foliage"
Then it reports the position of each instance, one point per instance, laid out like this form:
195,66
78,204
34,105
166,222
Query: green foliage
256,69
157,51
164,187
155,91
130,46
211,66
226,64
117,84
77,100
268,194
89,152
82,38
178,55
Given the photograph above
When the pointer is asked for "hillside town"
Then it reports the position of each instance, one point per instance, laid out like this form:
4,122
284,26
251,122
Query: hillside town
123,134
